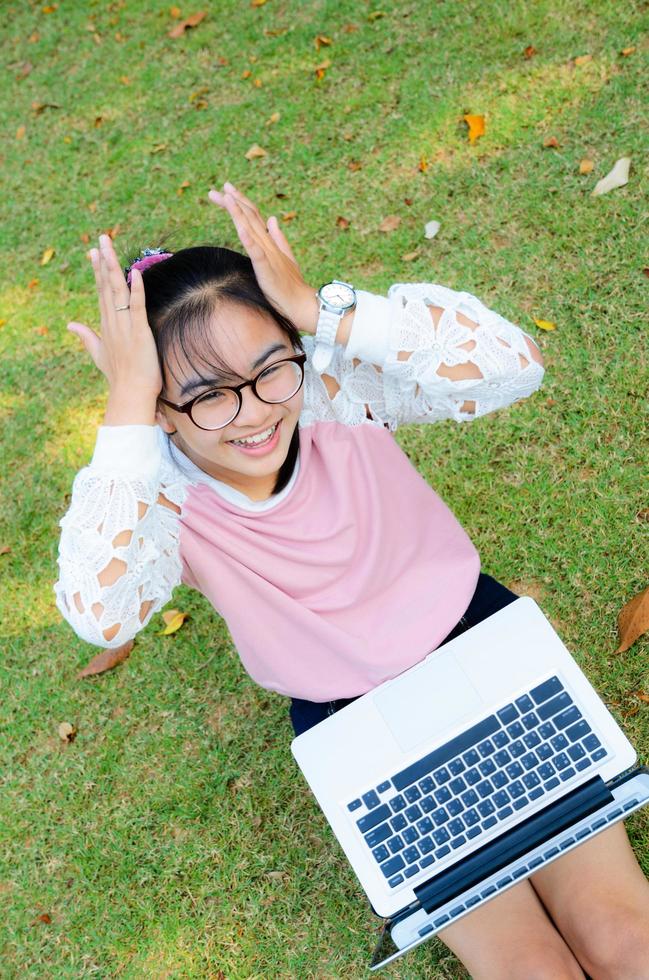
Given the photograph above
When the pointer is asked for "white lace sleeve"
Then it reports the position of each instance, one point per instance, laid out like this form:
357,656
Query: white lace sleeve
392,369
117,519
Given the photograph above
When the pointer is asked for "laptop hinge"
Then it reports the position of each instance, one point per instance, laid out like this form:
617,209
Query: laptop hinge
514,843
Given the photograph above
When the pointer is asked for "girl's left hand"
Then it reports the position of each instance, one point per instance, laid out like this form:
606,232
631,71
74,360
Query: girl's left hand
275,267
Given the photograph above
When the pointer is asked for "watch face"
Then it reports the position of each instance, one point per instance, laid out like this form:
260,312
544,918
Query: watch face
338,294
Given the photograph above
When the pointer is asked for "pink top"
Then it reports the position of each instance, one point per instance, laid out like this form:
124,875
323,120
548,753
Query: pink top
354,576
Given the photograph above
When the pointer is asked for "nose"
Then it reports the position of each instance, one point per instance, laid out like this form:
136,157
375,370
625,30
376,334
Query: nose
253,412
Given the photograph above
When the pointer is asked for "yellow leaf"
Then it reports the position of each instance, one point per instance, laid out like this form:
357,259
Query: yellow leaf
289,215
585,166
2,323
583,59
246,73
257,83
410,256
47,256
20,132
321,39
67,732
545,324
625,52
258,3
375,15
275,117
173,619
254,152
391,223
476,126
175,12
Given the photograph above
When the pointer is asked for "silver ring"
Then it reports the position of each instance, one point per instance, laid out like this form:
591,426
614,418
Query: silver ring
127,307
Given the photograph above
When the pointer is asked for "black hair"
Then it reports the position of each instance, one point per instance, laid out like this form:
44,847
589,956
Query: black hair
182,293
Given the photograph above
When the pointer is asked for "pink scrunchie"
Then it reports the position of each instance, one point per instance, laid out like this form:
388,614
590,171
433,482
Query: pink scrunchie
147,261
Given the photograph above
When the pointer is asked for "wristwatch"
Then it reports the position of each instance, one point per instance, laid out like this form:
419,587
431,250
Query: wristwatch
336,298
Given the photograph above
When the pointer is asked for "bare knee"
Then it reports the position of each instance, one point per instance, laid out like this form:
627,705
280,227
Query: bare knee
542,963
616,946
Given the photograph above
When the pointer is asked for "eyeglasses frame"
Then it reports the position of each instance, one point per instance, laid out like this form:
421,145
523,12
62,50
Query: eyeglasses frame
186,409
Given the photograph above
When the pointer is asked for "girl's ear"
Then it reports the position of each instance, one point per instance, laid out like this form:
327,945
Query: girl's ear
163,421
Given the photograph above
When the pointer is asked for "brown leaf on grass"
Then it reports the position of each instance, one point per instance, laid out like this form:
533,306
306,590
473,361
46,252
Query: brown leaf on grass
39,107
255,152
41,331
320,40
289,215
476,126
423,165
641,696
350,28
275,31
49,8
183,187
192,21
273,118
585,166
85,237
321,69
342,222
34,37
633,620
257,3
106,660
391,223
642,515
407,201
24,68
246,73
529,51
625,52
32,284
175,12
582,59
47,255
411,256
43,917
5,550
645,272
354,165
67,732
173,620
375,15
551,141
20,132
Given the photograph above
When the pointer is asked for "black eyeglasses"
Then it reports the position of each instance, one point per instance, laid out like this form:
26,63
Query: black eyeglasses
217,407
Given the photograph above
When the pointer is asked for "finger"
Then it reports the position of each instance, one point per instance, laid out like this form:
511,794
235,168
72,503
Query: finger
254,243
244,201
95,260
279,238
137,301
114,274
88,338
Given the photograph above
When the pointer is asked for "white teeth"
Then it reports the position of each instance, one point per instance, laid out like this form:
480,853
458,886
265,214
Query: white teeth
254,440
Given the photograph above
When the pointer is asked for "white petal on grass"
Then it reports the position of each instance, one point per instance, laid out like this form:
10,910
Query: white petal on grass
431,229
618,177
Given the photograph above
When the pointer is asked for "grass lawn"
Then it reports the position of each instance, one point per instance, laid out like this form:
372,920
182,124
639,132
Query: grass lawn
175,837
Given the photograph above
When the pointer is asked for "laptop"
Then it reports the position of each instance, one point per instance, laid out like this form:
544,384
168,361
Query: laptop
468,772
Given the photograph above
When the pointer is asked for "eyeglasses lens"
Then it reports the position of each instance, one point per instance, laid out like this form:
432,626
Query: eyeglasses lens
218,407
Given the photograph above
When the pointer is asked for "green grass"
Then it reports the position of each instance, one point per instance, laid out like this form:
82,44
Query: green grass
145,840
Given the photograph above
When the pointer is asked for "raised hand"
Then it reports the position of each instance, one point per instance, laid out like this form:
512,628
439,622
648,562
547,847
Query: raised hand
125,350
276,269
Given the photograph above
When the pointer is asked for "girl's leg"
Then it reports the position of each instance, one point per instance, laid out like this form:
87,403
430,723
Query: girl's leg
512,938
599,899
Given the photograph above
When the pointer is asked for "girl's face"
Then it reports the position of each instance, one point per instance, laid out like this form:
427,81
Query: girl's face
247,341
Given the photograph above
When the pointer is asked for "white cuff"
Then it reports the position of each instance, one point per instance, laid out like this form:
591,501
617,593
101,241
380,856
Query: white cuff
369,336
129,450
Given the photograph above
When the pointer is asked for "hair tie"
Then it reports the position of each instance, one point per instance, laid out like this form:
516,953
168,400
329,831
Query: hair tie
146,258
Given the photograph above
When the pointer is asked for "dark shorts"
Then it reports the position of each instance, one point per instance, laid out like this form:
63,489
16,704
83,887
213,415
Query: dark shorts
488,598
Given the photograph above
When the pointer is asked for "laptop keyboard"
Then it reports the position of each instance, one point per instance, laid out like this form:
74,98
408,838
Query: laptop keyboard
456,793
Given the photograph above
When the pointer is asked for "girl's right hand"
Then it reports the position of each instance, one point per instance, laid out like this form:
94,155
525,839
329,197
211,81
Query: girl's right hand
125,351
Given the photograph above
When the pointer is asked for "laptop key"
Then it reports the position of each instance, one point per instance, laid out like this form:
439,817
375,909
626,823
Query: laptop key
410,854
427,803
486,807
397,803
529,760
576,752
547,729
530,779
561,761
354,805
486,748
456,827
535,793
484,789
599,754
520,803
456,766
396,844
412,794
442,775
427,784
500,799
546,690
425,826
398,823
373,819
410,835
381,853
531,739
508,714
457,785
546,770
383,787
393,882
489,822
499,779
487,767
442,852
425,862
502,758
550,708
515,730
529,721
516,789
413,813
378,835
371,800
472,777
568,717
454,807
458,841
559,742
524,704
544,751
392,866
566,774
473,832
471,757
551,784
514,770
412,870
583,764
441,836
592,742
500,739
517,749
442,795
439,816
575,732
426,845
470,797
471,817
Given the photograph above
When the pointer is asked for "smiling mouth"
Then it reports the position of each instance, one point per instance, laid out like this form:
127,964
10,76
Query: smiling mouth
259,439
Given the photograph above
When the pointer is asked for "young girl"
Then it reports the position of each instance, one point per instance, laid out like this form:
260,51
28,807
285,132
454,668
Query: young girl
259,467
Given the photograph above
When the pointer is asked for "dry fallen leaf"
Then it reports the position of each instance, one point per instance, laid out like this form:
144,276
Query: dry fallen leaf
41,331
641,696
585,166
431,228
321,39
32,284
67,732
410,256
617,177
246,73
342,222
545,324
191,21
175,12
20,132
24,69
627,51
254,152
289,215
50,8
633,620
529,51
85,237
551,141
275,117
106,660
173,620
181,190
257,3
476,126
5,550
390,223
43,917
47,255
423,165
375,15
354,165
583,59
642,515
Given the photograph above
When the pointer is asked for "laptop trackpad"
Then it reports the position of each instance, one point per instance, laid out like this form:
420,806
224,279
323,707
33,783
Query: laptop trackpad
427,700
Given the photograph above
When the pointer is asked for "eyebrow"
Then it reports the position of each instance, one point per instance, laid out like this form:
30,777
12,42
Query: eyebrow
206,382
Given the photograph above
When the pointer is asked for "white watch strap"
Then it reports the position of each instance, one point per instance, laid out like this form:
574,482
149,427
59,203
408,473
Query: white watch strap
325,338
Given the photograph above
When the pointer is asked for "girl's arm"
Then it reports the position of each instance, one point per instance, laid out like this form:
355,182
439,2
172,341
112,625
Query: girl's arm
425,353
119,548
